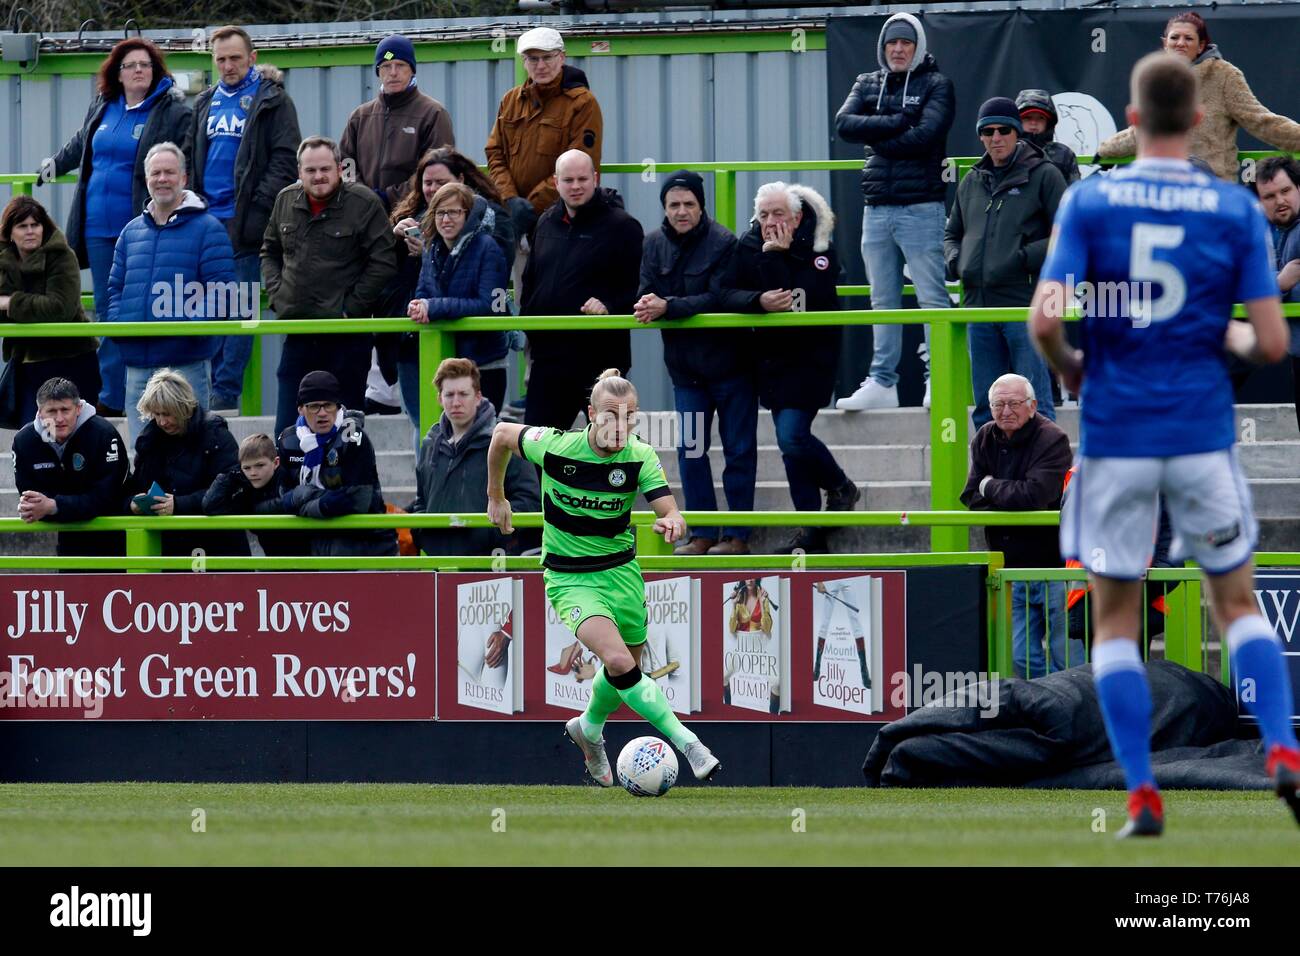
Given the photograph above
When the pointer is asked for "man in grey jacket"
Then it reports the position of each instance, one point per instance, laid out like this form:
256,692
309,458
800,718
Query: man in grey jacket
995,242
451,475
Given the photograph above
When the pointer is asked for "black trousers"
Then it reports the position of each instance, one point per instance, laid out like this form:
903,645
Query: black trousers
557,394
82,370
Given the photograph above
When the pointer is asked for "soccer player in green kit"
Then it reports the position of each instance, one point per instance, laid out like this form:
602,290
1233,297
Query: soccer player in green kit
590,478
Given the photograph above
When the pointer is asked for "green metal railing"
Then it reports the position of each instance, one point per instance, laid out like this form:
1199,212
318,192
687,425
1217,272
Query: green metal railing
950,392
143,531
1187,619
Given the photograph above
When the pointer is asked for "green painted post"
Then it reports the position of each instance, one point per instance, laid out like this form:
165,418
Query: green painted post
950,387
724,197
648,543
143,543
435,345
21,189
250,398
1192,625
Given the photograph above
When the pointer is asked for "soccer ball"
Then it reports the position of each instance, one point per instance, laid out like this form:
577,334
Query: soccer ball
647,767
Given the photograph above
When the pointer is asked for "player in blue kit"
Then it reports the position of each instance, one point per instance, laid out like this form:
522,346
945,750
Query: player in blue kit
1159,252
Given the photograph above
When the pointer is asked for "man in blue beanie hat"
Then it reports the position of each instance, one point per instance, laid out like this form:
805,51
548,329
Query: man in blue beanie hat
995,242
386,137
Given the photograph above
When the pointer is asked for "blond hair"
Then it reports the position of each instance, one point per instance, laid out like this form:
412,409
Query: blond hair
167,393
611,382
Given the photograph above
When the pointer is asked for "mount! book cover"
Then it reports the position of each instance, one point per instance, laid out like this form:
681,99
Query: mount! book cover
847,647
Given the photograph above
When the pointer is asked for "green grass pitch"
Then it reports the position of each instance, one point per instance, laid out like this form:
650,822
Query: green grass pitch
410,824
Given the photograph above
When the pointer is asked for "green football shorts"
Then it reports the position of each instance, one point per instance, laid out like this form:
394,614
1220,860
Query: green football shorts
618,594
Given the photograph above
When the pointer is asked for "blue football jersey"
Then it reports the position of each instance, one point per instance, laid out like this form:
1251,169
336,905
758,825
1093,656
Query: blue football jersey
1158,252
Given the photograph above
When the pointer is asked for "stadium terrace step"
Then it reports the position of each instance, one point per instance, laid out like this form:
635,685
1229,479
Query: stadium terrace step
906,426
862,462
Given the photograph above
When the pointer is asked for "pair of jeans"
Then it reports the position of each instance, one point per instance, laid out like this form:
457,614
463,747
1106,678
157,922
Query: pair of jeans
112,373
809,464
233,351
736,402
892,235
1038,617
997,348
198,374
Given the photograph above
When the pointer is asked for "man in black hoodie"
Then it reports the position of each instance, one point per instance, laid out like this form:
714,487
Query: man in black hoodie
70,465
1038,116
902,113
682,270
586,259
451,475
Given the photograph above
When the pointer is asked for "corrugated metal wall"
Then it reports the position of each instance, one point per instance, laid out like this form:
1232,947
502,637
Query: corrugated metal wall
657,109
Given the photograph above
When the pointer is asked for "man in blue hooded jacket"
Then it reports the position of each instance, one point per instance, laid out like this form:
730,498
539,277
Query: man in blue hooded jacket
172,262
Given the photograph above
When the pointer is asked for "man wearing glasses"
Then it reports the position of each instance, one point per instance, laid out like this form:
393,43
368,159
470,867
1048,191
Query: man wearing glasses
551,112
995,242
1018,463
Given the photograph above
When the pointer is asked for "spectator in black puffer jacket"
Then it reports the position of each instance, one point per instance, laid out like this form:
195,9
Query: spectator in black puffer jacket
328,469
902,112
786,263
683,265
183,448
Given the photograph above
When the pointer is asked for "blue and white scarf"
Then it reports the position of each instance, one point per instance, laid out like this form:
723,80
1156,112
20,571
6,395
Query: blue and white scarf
313,447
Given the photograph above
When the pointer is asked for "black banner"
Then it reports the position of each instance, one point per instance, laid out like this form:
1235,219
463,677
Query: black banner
1083,58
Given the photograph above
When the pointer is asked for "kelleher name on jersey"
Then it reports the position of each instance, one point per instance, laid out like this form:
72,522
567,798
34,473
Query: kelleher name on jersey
1141,195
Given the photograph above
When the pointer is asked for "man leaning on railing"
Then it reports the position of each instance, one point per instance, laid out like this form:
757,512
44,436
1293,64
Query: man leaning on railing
1018,463
70,465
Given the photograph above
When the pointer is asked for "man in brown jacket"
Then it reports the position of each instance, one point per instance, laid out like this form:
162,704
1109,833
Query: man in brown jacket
385,138
328,253
1018,463
551,113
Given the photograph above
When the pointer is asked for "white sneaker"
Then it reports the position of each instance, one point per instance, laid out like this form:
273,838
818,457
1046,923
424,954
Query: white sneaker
703,764
925,402
593,753
870,395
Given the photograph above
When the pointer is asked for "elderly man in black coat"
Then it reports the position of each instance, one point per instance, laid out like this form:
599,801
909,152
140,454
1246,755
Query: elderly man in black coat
786,263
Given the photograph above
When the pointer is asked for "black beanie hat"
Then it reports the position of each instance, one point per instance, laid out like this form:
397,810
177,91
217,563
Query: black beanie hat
319,387
683,179
999,111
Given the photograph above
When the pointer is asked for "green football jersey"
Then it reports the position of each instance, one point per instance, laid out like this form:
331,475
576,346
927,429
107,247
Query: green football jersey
587,500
